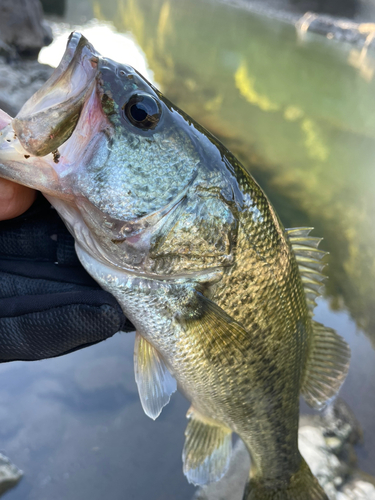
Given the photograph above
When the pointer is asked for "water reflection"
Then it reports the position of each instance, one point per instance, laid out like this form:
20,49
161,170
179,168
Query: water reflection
75,426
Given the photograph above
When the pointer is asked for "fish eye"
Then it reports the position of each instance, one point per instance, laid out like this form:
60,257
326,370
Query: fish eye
143,111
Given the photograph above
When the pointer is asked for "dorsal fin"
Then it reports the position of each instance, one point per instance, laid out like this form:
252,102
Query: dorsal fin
328,358
309,260
326,366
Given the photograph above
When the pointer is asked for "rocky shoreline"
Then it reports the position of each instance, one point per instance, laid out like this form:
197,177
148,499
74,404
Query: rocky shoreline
20,77
23,32
19,81
357,29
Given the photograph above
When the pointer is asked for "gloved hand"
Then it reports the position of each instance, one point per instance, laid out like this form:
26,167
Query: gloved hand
49,305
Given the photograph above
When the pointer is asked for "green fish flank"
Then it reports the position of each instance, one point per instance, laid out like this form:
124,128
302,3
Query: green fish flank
221,294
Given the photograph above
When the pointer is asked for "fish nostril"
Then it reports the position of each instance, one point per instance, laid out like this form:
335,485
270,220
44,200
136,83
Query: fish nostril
94,62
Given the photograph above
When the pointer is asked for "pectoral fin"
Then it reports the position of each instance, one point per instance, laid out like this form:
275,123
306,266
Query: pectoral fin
154,381
326,367
207,449
215,330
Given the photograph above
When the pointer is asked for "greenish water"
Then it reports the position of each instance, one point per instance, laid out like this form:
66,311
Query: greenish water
300,117
300,114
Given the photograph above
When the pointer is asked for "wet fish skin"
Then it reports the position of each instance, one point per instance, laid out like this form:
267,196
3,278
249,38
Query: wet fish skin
169,222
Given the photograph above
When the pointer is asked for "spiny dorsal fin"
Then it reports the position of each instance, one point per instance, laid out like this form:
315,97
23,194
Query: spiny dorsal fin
308,258
154,381
326,366
207,449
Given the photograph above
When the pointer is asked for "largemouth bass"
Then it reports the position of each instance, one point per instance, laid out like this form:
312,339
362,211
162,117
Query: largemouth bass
168,221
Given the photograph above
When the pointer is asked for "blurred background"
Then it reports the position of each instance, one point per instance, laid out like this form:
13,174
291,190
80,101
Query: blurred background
288,87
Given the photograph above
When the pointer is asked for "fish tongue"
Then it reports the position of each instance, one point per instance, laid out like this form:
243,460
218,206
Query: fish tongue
49,117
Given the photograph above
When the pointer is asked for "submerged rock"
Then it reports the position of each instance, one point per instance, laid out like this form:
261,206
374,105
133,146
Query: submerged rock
343,30
326,442
10,475
351,21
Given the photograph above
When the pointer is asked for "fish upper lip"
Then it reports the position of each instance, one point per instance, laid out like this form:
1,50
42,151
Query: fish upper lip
49,117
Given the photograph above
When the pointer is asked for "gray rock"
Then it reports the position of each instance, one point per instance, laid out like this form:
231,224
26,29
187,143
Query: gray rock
327,444
22,26
9,474
19,81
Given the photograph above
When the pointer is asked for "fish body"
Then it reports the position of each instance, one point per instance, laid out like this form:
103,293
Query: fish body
168,221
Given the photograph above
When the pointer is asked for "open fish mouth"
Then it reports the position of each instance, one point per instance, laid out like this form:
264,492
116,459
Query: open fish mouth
87,141
48,120
49,117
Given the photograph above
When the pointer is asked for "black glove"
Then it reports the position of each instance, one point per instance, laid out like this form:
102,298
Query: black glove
49,305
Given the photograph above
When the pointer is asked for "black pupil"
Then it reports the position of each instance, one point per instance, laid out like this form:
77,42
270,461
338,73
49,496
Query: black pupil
139,111
143,111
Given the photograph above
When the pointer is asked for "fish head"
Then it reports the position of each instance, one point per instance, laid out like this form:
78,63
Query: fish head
132,176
